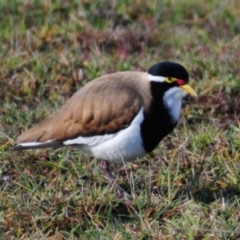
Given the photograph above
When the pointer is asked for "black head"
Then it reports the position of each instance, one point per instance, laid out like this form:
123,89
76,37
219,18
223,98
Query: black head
166,75
170,70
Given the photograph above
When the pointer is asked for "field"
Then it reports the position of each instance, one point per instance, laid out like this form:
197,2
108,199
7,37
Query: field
188,188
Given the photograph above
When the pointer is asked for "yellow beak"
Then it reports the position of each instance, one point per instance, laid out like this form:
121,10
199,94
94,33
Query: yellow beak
186,88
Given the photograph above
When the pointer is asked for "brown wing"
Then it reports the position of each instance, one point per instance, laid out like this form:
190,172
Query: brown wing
102,106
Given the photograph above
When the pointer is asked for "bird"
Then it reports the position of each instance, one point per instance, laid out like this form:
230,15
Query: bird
117,117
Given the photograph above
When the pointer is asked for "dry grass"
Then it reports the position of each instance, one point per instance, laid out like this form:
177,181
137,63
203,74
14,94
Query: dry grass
188,188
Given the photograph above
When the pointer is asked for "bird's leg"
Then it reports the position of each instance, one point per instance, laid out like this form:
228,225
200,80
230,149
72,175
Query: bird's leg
108,175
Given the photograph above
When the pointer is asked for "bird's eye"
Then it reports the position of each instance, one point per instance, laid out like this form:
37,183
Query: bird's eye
170,79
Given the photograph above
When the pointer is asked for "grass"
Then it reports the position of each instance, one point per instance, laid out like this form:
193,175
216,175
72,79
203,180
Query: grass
188,188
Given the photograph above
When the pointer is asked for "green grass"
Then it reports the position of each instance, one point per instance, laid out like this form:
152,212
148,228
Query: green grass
188,188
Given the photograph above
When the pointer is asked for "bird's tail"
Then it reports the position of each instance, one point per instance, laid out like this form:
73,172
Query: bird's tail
35,145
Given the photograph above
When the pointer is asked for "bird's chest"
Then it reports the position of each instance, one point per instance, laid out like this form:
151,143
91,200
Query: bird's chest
158,123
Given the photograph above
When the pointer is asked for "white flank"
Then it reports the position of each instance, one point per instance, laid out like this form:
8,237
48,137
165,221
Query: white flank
173,101
156,78
125,145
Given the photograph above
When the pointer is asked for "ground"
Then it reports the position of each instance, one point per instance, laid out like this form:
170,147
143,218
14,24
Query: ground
189,187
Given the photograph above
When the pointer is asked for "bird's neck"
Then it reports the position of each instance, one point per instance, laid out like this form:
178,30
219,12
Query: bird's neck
159,119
